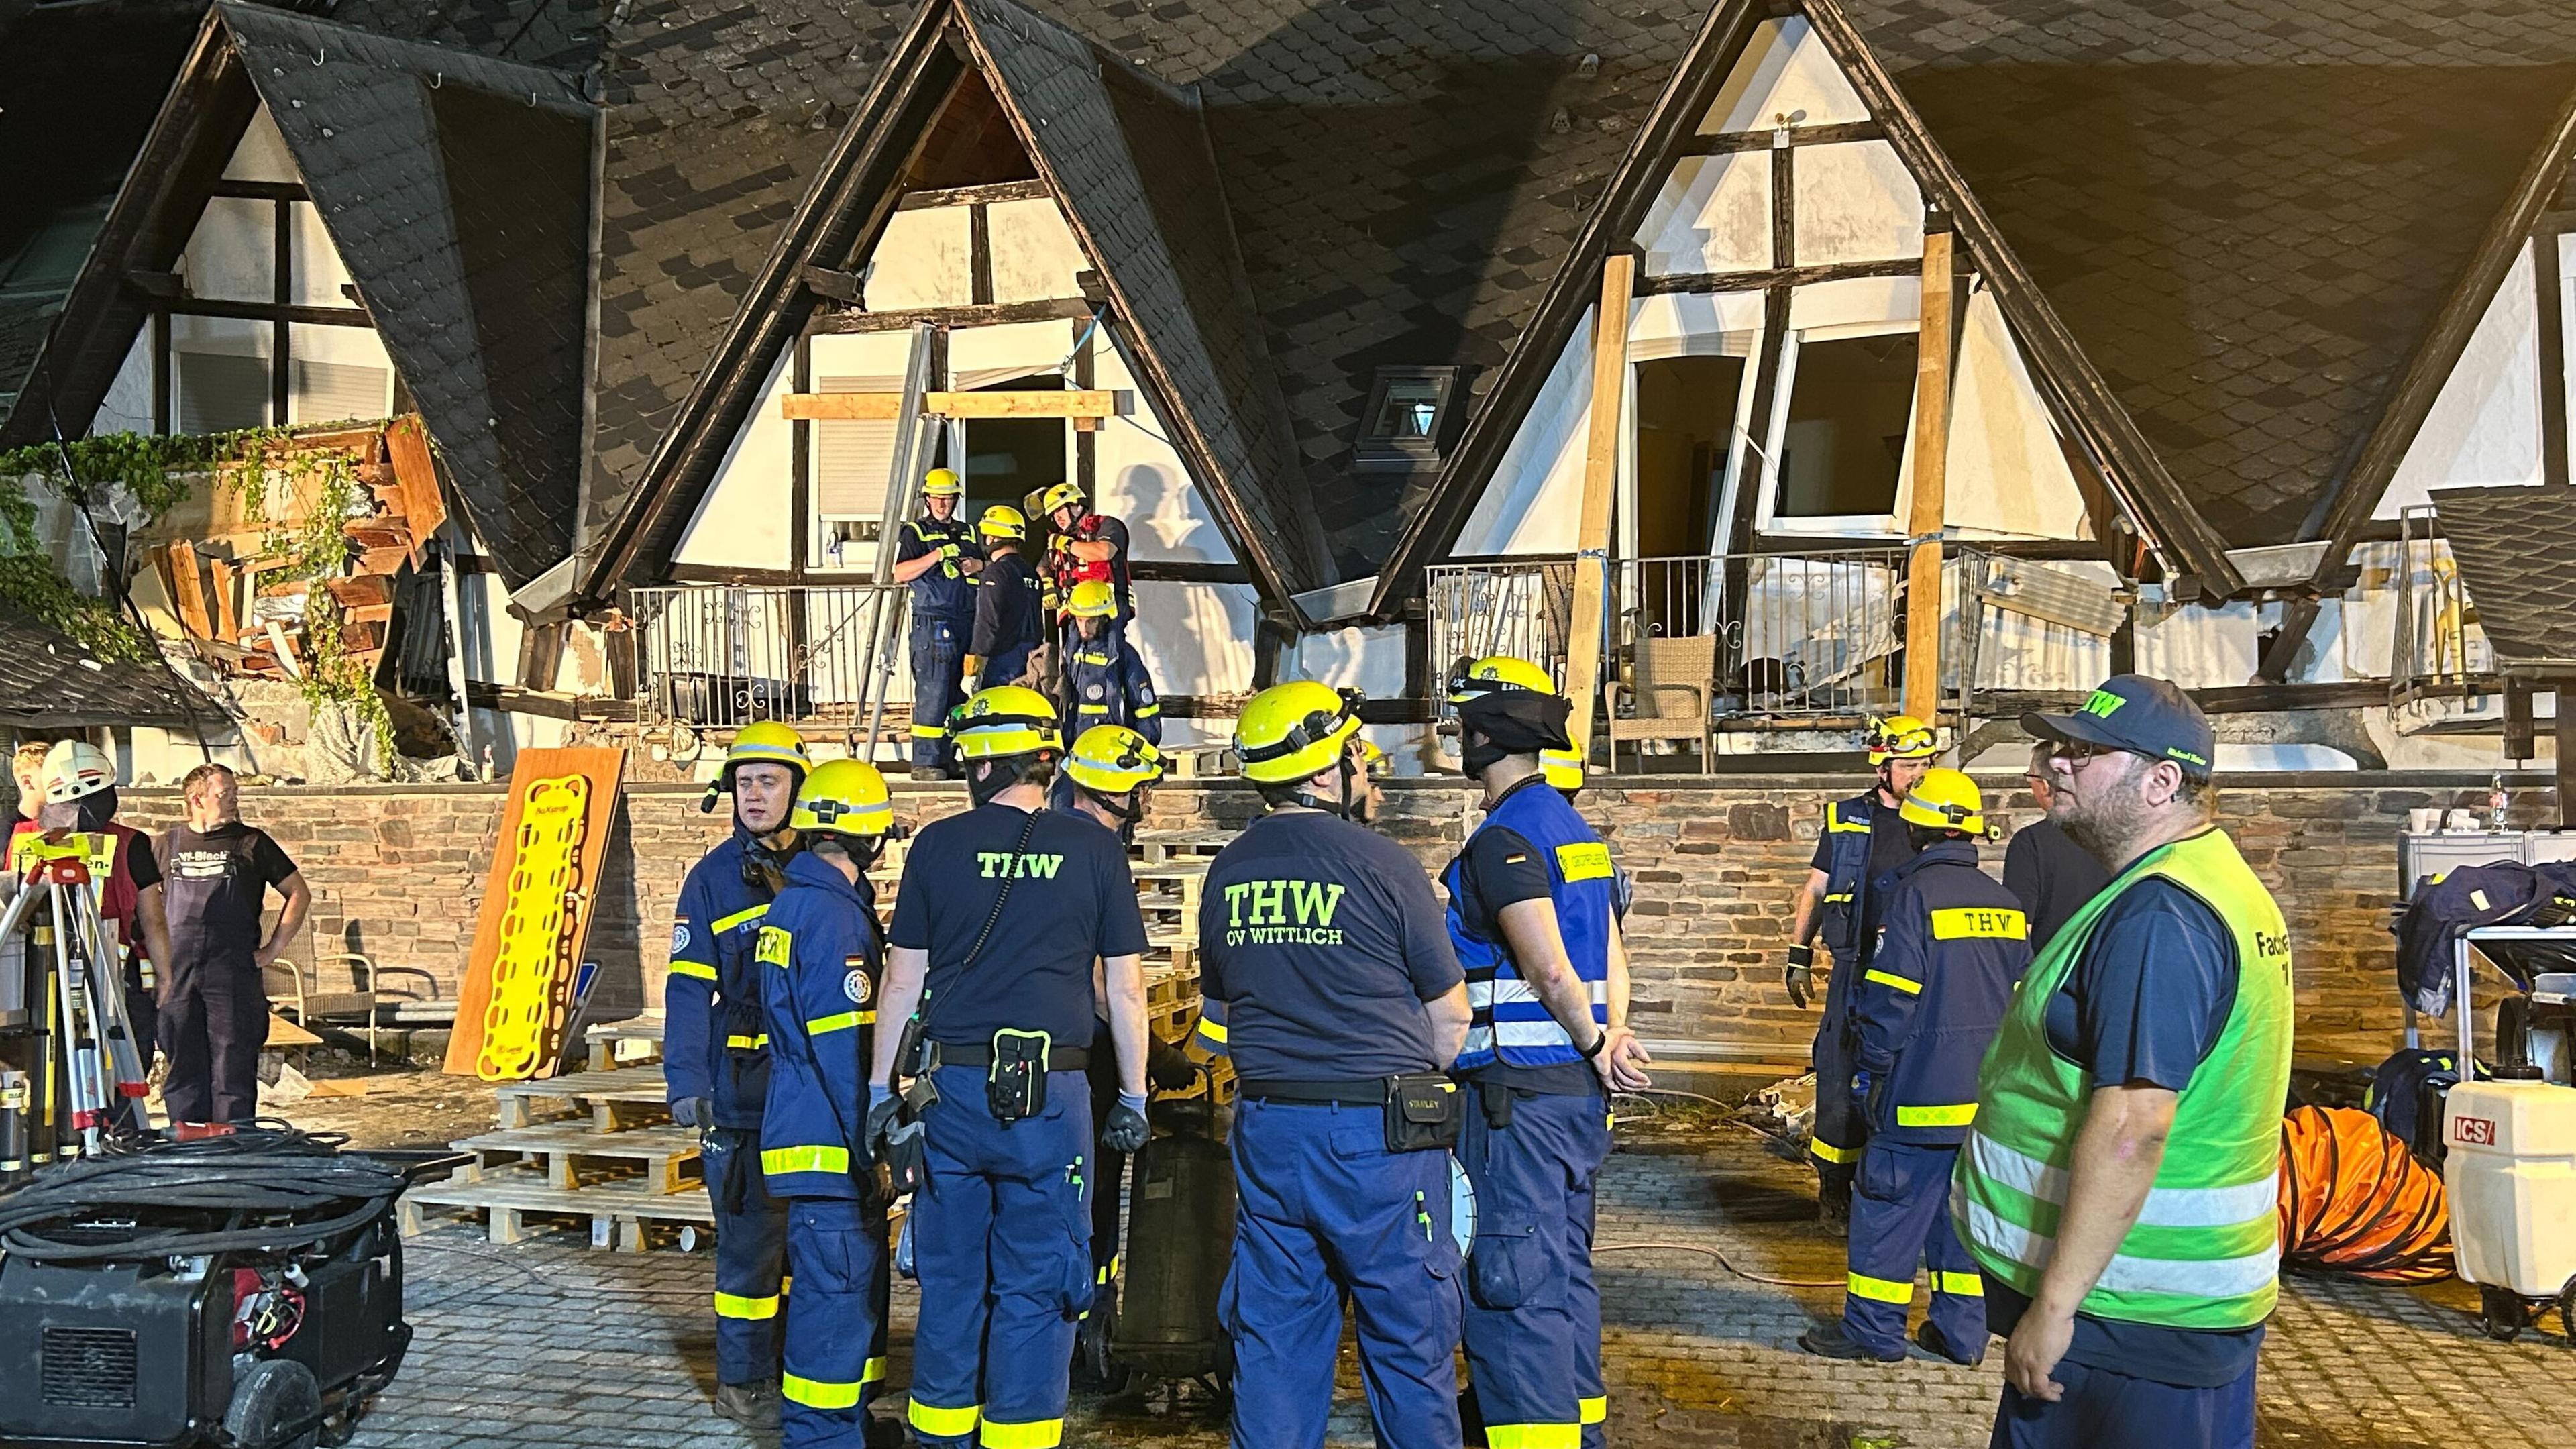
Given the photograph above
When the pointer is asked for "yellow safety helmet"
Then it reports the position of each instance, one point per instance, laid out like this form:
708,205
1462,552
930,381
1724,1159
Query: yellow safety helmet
942,483
1469,678
1294,731
1945,800
1061,495
1372,759
1092,599
767,742
844,797
1003,521
1113,760
1003,722
1901,737
1563,769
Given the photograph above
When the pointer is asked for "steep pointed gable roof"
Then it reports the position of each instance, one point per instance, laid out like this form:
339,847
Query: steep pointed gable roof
2248,213
1129,165
456,189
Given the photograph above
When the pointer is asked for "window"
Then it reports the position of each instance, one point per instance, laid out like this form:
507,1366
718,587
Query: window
1407,420
854,458
1850,406
328,392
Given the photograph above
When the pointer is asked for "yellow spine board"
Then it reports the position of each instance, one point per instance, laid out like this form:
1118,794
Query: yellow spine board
536,925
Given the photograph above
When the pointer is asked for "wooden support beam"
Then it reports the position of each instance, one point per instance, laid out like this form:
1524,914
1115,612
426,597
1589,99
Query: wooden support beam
839,286
1730,141
1755,281
880,406
2549,298
1932,359
1600,485
2567,759
994,314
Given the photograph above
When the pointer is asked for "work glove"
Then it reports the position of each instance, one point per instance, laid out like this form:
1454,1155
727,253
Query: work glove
1800,977
1168,1067
693,1112
1126,1129
884,1107
1860,1085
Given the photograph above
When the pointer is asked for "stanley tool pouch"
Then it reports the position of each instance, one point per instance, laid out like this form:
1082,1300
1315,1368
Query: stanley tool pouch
1424,1112
1016,1083
903,1164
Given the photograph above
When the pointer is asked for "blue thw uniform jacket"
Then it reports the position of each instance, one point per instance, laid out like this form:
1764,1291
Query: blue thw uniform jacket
1510,1023
712,1041
1110,686
821,957
946,591
1847,828
1953,946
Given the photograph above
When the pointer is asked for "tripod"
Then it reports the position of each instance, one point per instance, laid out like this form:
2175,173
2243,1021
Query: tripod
78,1070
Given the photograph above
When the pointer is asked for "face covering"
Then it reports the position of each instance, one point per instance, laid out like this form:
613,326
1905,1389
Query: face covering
1511,722
88,813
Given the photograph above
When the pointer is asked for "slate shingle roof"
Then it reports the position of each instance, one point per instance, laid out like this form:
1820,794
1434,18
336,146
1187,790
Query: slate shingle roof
49,682
455,188
2247,212
2526,594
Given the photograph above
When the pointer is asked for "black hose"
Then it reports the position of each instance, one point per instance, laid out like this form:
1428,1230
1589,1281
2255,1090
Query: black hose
272,1187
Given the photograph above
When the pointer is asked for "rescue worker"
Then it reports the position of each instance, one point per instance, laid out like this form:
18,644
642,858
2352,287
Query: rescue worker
1532,901
1952,943
1009,624
1081,546
1564,767
78,782
1105,677
938,556
2118,1185
1110,767
716,1059
1862,841
1323,946
1002,912
820,960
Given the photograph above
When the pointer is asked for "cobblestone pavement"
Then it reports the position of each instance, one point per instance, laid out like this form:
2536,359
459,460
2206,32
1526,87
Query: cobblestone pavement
551,1343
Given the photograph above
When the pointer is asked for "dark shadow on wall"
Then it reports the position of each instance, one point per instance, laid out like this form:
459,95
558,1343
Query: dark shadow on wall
616,922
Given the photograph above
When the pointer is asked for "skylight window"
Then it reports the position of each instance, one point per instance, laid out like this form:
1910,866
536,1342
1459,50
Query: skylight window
1407,422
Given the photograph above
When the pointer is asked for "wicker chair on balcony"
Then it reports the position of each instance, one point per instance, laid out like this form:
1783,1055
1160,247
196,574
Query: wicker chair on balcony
1675,680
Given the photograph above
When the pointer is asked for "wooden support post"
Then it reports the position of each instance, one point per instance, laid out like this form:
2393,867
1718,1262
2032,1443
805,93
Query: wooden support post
1931,474
1600,480
2566,758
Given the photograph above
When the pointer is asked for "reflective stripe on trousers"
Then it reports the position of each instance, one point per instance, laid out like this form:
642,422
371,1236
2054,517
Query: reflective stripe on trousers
1533,1318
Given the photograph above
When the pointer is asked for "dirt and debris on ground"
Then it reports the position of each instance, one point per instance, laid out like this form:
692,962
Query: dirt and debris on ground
1710,1265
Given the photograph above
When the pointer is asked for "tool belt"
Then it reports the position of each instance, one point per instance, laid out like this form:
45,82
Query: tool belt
980,1054
1423,1110
1496,1085
1016,1067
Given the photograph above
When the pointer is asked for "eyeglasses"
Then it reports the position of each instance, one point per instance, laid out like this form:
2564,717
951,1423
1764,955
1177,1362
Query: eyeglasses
2078,753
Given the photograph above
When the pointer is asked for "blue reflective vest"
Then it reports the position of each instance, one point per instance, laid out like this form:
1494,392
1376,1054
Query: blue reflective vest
1110,686
1847,830
1509,1020
821,959
1952,946
712,1045
944,591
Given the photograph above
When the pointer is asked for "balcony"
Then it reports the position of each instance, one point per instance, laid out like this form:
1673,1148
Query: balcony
725,655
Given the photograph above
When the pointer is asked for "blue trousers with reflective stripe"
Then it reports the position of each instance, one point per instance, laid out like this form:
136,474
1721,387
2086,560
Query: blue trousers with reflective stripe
1324,1211
1839,1124
1001,1240
836,1248
751,1256
1533,1325
938,659
2106,1410
1901,1217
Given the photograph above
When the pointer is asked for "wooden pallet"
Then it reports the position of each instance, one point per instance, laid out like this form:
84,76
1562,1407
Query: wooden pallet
570,1154
616,1100
608,1038
509,1198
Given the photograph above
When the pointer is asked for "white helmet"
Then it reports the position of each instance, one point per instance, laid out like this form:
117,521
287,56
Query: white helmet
76,768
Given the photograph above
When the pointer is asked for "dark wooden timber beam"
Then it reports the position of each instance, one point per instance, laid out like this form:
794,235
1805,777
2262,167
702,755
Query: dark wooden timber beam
1052,309
1776,277
1733,141
839,286
974,195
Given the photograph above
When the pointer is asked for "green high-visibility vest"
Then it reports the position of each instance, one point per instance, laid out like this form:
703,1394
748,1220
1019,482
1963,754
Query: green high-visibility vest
2205,1251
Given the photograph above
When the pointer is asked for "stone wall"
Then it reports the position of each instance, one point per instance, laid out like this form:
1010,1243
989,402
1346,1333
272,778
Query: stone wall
399,873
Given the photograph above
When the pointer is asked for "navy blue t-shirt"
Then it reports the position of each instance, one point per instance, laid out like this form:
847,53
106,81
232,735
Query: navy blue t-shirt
1323,940
1071,900
2143,1005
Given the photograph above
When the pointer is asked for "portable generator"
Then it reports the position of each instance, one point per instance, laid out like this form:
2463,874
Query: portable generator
242,1291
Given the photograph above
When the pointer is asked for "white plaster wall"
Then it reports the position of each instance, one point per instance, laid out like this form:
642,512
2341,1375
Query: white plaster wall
127,407
923,260
232,254
2199,647
1018,348
1034,253
1196,638
1784,71
1530,504
1142,479
318,272
1712,215
2485,424
2007,477
1858,303
262,154
1370,660
1856,203
743,522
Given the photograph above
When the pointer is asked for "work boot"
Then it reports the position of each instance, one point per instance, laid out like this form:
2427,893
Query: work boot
1827,1340
753,1406
931,772
885,1433
1933,1341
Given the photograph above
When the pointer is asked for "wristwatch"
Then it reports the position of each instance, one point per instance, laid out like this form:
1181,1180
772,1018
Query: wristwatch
1600,1042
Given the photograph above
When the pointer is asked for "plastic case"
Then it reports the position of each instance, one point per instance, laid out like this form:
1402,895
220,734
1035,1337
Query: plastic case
2511,1172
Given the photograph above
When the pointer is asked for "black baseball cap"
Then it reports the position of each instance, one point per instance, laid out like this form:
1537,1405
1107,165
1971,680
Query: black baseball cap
2140,714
